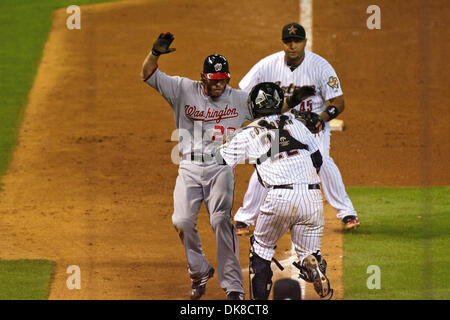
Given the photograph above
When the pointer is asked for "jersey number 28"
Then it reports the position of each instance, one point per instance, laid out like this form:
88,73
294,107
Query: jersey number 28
219,132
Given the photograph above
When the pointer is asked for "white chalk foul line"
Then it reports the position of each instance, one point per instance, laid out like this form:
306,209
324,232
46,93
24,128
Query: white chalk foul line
306,20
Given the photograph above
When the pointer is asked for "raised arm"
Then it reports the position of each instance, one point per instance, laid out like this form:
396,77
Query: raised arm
160,46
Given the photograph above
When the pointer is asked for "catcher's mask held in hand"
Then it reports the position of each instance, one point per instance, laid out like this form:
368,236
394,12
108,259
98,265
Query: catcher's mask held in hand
264,99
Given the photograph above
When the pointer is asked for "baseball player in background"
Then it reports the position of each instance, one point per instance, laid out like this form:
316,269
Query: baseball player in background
205,112
291,68
287,158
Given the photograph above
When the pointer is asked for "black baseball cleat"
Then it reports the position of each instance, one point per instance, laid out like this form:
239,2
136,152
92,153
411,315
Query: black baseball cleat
199,286
350,223
315,273
234,295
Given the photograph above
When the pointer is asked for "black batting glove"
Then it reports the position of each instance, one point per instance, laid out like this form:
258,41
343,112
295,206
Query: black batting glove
162,44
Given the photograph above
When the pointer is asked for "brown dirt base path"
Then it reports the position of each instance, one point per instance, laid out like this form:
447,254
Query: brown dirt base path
91,180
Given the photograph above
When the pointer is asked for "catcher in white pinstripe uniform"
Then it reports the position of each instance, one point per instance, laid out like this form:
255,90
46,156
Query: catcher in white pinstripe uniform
287,160
291,69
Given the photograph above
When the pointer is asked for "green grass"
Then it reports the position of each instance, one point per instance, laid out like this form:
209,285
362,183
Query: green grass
392,235
24,29
406,232
25,279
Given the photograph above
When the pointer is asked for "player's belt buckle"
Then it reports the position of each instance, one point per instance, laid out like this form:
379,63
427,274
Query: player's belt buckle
314,186
284,186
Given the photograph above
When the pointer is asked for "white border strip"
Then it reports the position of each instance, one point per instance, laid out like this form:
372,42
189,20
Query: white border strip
306,20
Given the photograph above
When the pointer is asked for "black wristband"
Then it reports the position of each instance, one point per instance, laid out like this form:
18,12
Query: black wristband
332,112
155,53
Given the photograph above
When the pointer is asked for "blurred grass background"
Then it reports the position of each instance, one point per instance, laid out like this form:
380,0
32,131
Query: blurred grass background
25,279
24,29
405,232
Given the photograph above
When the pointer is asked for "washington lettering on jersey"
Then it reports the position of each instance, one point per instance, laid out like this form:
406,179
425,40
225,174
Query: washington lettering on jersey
201,121
197,114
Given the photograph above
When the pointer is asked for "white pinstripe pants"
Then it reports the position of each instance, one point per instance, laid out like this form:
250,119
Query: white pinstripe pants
332,183
299,210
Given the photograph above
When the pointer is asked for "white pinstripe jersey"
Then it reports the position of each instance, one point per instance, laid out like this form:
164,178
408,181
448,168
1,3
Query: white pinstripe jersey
293,167
314,70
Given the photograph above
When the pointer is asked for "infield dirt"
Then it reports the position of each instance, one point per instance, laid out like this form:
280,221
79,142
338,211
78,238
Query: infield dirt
91,180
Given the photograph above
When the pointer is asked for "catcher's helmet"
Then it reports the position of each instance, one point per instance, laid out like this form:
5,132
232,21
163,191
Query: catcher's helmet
216,67
264,99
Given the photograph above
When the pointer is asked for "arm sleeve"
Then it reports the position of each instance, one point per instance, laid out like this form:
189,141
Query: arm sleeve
315,154
312,142
168,86
234,151
305,136
330,85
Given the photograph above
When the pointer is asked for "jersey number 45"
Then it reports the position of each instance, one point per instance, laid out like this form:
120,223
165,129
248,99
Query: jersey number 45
306,105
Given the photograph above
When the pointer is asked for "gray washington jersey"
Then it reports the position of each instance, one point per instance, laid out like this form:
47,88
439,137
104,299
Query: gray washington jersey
202,121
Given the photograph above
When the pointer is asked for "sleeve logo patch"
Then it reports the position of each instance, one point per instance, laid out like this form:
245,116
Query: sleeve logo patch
333,82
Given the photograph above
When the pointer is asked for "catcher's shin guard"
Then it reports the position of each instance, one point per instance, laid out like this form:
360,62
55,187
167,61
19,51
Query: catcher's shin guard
314,270
260,275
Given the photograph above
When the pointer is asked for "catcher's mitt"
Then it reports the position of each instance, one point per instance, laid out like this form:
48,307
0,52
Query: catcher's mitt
310,119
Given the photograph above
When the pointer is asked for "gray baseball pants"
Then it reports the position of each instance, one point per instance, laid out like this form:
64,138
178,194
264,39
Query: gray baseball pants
214,185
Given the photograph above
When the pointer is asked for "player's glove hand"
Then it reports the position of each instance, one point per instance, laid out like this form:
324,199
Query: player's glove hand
299,94
311,120
162,44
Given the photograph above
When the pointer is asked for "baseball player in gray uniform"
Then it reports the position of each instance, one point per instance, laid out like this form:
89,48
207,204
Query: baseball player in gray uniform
291,68
287,158
205,112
